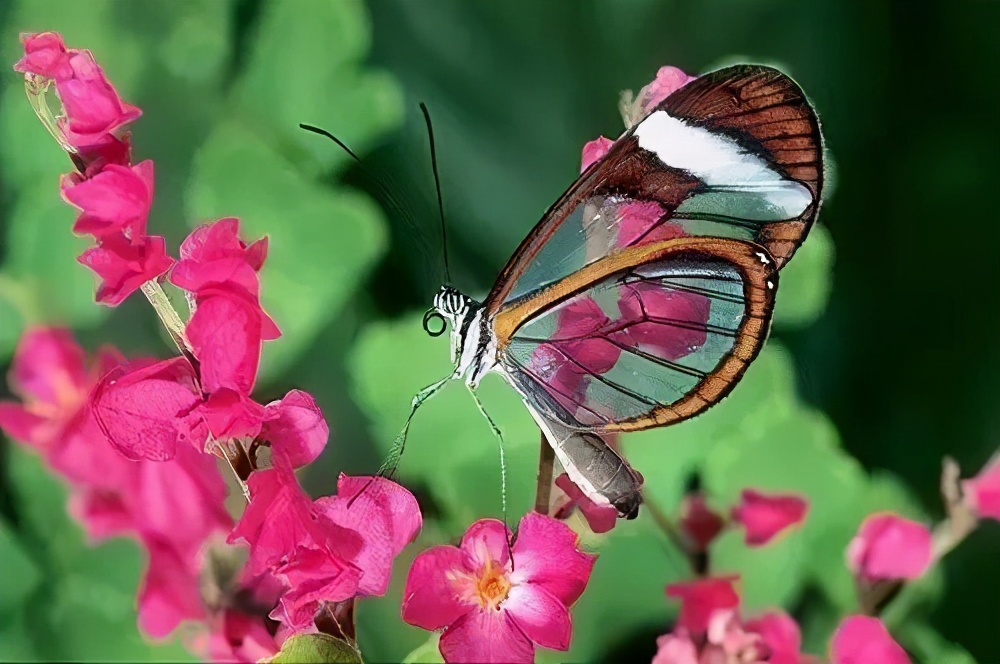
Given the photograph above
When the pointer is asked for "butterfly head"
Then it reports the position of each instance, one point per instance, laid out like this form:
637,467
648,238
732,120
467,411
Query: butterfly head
462,314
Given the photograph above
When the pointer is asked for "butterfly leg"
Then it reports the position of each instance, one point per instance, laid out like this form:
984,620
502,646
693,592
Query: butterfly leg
388,467
503,462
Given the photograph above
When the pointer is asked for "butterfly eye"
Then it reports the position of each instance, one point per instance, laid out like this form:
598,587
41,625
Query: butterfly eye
434,323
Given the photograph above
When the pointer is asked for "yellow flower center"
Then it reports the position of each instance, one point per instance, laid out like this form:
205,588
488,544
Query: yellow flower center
488,588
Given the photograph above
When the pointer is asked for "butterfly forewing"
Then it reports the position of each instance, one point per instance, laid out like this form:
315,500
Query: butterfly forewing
734,154
651,335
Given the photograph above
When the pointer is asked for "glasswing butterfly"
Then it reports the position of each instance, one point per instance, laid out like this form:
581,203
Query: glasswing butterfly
646,290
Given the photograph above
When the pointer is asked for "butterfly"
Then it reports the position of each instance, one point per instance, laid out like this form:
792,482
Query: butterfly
646,290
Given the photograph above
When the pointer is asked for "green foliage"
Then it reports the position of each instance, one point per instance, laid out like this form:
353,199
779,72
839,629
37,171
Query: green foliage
316,649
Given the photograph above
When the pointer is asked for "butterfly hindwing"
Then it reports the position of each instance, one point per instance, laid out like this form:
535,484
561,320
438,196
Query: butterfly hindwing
650,335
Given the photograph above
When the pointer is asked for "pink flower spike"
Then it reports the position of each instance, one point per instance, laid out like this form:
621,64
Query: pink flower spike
115,200
45,55
865,640
668,80
295,428
489,612
888,546
600,518
702,598
982,493
698,522
138,409
765,516
125,265
225,335
387,517
594,151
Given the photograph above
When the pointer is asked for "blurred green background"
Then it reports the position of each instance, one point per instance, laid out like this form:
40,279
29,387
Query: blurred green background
883,359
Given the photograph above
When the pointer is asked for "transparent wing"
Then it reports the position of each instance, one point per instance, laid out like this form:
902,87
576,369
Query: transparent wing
645,345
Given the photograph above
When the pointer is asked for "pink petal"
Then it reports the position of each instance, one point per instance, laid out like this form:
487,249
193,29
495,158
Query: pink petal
102,513
429,601
240,638
781,635
698,522
225,335
764,516
594,151
312,576
982,493
138,410
668,80
486,541
386,516
865,640
225,414
600,518
45,55
675,649
169,593
117,199
700,599
486,636
20,424
546,554
295,428
125,265
219,240
233,275
543,618
888,546
182,500
644,302
49,367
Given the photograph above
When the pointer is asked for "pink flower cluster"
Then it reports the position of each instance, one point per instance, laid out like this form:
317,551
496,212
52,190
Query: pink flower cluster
113,195
139,441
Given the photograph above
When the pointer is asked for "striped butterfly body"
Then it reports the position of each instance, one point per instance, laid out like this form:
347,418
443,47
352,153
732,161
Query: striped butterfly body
646,290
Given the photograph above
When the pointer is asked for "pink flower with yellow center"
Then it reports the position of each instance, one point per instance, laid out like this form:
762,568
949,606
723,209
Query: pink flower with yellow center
496,603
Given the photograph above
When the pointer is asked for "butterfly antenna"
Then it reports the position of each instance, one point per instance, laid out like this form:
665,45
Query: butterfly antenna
386,188
437,186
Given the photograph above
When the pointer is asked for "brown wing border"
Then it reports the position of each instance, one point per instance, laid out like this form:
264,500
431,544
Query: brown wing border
760,283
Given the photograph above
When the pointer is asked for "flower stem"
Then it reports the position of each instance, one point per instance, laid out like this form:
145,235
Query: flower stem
546,462
167,314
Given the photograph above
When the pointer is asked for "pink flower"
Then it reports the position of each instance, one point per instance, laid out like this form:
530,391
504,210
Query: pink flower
220,240
864,640
764,516
647,306
702,598
115,200
676,649
329,550
982,493
781,635
668,80
594,151
296,429
889,547
493,609
600,518
169,593
225,335
124,265
642,222
698,522
240,637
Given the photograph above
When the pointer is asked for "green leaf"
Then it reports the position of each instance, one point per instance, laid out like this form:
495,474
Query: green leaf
316,649
322,241
428,653
805,284
311,71
927,645
770,575
197,45
21,574
14,303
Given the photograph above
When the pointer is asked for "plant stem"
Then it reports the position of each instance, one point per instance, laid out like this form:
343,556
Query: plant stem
167,314
546,463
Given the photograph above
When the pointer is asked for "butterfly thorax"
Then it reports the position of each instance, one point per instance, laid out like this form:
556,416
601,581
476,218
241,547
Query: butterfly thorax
473,349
